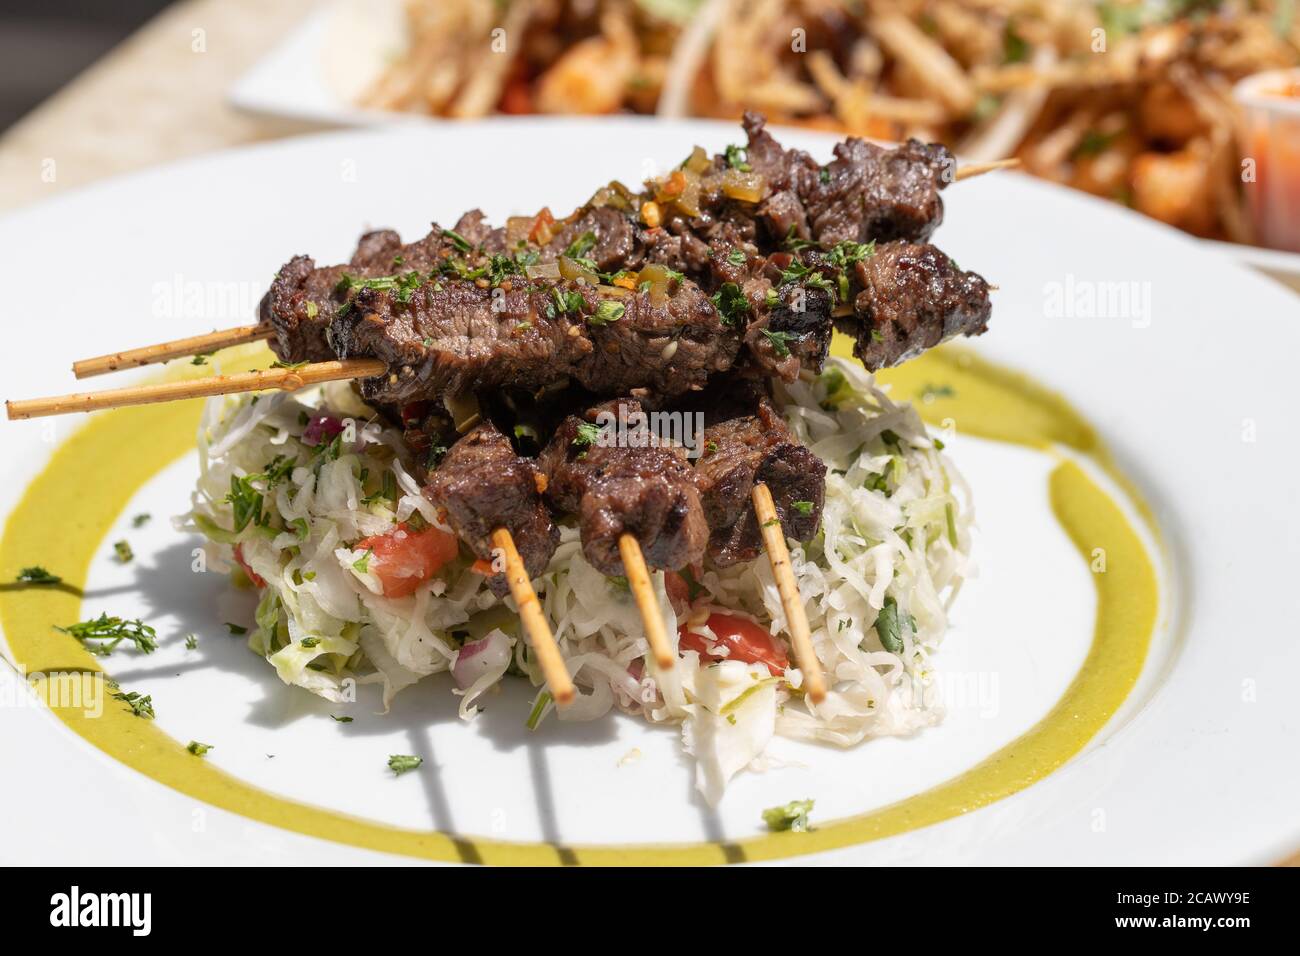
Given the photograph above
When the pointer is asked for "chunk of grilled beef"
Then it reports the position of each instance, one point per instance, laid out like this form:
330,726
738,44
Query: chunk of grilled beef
303,299
621,482
603,234
867,192
746,440
452,336
483,485
912,298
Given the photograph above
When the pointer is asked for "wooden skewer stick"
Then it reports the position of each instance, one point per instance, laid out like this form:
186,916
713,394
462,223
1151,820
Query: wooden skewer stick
638,579
778,554
166,351
979,169
554,669
286,379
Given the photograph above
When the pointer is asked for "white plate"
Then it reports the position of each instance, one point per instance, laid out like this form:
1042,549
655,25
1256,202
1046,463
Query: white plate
1196,768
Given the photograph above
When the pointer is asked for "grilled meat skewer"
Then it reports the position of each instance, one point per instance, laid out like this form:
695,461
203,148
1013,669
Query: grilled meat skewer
483,485
618,480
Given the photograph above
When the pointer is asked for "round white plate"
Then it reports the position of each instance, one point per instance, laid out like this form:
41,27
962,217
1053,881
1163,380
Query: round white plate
1188,381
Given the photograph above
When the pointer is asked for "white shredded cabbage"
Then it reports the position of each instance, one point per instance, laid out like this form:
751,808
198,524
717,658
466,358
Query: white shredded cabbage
893,551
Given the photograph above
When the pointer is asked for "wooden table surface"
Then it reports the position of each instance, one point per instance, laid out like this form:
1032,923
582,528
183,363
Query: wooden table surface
152,100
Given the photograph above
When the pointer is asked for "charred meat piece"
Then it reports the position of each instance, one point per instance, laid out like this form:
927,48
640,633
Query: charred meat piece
449,336
867,192
605,468
304,299
483,485
912,298
747,441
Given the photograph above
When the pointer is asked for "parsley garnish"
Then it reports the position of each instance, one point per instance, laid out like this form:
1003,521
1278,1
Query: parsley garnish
587,434
401,763
112,631
310,642
197,748
191,641
888,626
737,157
581,246
793,816
140,706
362,564
730,302
737,257
140,520
123,552
780,341
501,267
847,253
236,629
804,508
342,720
37,575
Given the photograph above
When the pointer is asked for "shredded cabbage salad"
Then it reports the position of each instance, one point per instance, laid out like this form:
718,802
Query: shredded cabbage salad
289,485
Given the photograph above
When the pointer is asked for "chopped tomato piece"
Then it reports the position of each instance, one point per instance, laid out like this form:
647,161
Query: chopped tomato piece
257,579
541,231
744,639
679,592
482,567
403,559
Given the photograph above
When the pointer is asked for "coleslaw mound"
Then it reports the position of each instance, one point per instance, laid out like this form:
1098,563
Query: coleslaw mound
290,484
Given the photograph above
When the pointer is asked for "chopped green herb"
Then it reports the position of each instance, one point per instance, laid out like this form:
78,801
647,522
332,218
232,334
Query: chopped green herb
457,240
140,706
123,552
191,641
587,434
793,816
737,157
37,575
310,642
401,763
341,720
581,246
780,341
730,302
362,564
290,366
737,258
140,520
889,626
197,748
111,631
609,310
824,176
804,508
848,253
201,358
619,583
236,629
